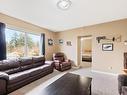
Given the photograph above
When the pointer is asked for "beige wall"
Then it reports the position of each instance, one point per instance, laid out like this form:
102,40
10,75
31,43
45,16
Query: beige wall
111,61
103,61
24,26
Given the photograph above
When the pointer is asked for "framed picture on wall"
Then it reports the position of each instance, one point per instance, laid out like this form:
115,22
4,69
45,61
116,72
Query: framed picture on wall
107,47
69,43
60,41
50,42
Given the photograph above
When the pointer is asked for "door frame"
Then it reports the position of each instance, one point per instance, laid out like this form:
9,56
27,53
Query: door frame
79,48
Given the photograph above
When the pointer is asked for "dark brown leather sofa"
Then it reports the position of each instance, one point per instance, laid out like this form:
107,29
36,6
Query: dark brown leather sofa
16,73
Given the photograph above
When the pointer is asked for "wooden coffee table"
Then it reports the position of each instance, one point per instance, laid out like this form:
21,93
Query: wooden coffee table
69,84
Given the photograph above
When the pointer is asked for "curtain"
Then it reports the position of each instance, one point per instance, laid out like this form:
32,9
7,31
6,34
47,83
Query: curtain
42,44
125,60
2,42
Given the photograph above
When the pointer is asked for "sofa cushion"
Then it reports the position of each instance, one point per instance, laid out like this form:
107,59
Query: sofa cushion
66,63
37,70
45,67
38,64
9,64
58,54
38,61
23,68
26,63
13,78
12,71
61,59
34,71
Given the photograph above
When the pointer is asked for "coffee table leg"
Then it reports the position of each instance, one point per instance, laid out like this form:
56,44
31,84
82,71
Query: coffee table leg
90,89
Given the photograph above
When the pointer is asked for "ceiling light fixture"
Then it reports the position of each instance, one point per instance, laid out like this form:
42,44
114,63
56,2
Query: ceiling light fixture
64,4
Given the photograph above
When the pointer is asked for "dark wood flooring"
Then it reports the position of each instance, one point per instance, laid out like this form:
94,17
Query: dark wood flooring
69,84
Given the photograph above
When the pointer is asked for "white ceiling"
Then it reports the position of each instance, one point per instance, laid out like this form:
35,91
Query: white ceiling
45,13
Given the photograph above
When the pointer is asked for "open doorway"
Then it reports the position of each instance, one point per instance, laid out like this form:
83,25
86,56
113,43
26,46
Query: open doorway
86,51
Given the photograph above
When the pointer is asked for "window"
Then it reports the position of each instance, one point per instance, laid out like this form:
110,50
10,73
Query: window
21,44
15,43
33,45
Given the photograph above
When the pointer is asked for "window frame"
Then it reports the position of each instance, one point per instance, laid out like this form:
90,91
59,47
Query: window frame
25,38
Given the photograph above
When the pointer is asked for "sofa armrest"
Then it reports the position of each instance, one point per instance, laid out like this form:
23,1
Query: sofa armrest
4,76
49,63
122,81
3,83
68,60
124,90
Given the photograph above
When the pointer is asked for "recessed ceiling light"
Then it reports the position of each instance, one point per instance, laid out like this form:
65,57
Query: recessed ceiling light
64,4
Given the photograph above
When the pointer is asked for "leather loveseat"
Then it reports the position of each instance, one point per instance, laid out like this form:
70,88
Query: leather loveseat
16,73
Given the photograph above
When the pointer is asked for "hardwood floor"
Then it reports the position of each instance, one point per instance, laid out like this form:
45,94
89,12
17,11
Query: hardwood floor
102,84
69,84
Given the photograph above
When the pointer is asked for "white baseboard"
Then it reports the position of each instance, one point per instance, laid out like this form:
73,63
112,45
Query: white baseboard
107,73
76,67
